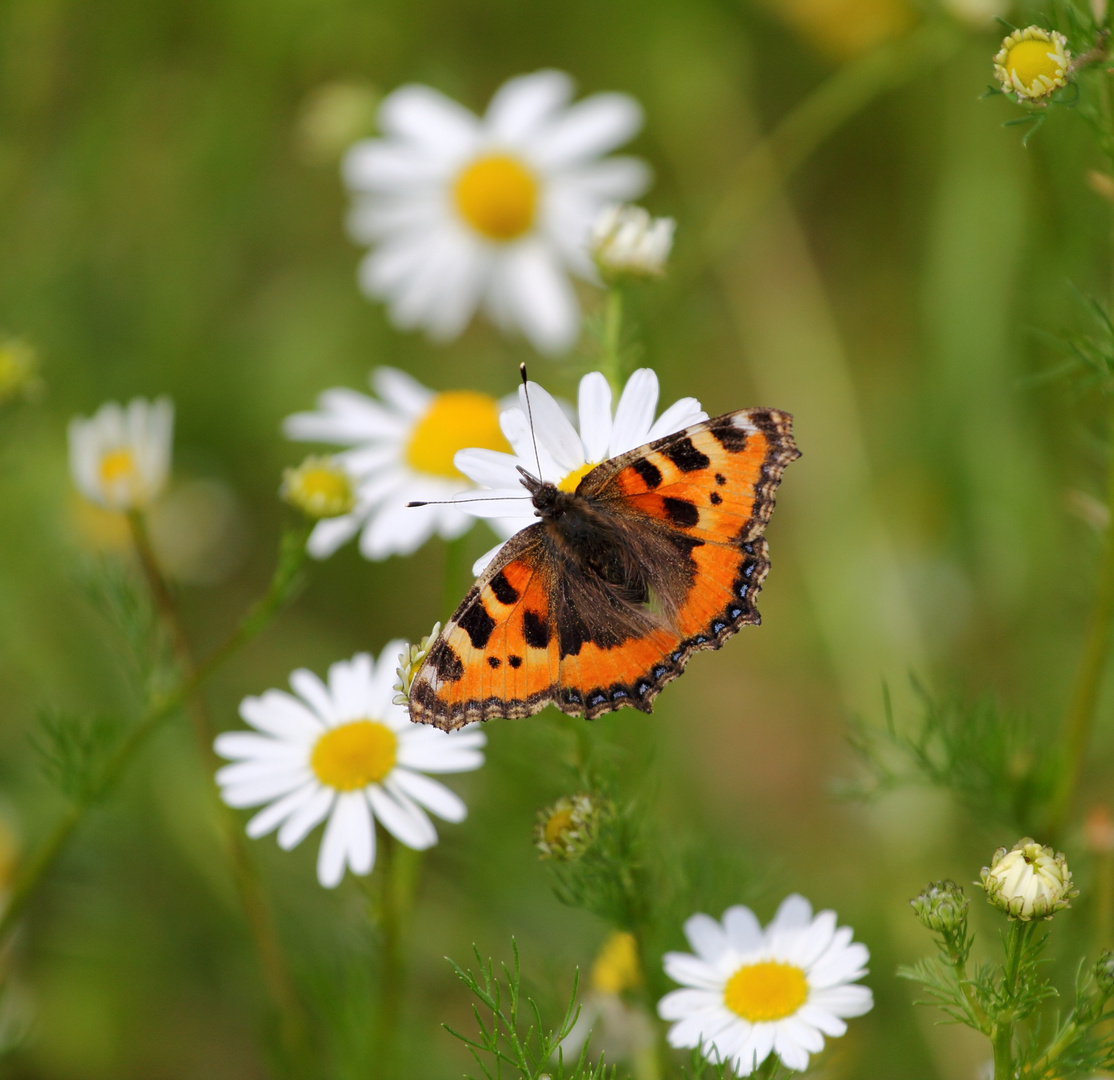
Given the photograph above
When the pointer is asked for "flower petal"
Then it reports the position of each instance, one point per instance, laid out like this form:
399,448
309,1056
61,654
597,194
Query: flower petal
269,818
690,970
278,713
588,129
313,692
402,818
595,415
743,929
309,814
678,1004
707,937
435,797
539,297
523,103
635,412
425,116
794,913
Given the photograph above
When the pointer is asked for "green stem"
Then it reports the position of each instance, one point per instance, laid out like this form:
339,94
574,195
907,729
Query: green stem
457,576
611,362
806,126
279,592
399,867
1080,716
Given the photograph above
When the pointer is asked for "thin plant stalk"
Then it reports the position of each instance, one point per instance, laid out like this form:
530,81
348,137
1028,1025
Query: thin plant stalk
278,593
611,363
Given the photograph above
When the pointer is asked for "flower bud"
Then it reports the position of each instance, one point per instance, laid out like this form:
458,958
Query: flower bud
942,907
1028,881
1032,63
1104,972
566,829
319,487
627,243
409,660
19,371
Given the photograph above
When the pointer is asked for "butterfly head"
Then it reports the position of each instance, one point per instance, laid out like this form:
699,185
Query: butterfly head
549,500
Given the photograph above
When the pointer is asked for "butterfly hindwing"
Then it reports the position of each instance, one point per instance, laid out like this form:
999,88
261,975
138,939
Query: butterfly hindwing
668,560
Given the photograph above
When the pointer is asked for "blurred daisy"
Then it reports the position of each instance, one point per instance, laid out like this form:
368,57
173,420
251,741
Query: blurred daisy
120,459
402,450
464,211
751,991
343,751
565,455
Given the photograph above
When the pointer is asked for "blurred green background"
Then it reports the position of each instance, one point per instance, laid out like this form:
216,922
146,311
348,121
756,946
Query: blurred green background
171,221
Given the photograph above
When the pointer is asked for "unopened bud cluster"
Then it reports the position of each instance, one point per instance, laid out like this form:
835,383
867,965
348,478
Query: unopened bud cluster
627,243
320,487
566,829
1029,881
409,660
942,907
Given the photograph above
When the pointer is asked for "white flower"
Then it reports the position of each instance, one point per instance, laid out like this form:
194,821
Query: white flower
120,459
464,211
1030,881
343,751
566,456
626,242
402,451
752,991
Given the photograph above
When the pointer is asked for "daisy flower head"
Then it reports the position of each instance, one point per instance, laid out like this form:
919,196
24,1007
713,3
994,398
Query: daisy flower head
342,750
401,446
750,992
628,244
120,458
565,454
1032,63
463,212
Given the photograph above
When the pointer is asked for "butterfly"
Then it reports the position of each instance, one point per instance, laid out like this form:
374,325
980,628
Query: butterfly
658,553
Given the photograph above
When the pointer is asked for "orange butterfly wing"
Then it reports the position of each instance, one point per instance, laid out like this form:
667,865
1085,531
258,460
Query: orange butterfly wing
522,639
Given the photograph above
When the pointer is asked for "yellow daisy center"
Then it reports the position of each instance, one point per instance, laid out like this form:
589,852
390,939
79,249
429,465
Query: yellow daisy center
118,465
1031,60
572,481
616,967
354,755
498,196
558,823
769,990
456,420
319,487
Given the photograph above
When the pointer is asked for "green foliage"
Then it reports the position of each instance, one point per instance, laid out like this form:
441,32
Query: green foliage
990,759
502,1042
73,752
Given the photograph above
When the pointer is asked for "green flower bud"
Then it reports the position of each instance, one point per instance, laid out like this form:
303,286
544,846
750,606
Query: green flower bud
942,907
319,487
1028,882
566,829
1104,972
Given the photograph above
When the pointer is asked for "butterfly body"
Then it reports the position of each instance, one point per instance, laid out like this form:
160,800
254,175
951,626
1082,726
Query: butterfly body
658,553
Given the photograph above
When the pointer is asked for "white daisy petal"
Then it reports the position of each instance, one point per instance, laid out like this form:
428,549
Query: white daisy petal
552,428
308,815
422,115
743,929
521,104
680,415
691,971
541,299
595,416
484,561
792,1054
264,789
489,468
402,818
822,1019
402,391
331,534
342,835
250,746
435,797
635,412
678,1004
592,127
314,693
282,715
794,913
271,817
421,750
844,1001
706,936
757,1048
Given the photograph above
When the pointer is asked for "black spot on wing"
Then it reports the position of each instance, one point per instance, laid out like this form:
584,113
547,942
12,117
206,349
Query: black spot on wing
721,479
650,473
494,662
681,512
445,661
716,498
504,591
515,661
477,624
535,630
731,438
685,456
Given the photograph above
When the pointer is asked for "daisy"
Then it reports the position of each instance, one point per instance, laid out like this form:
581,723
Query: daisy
752,991
564,455
343,751
402,450
120,459
463,211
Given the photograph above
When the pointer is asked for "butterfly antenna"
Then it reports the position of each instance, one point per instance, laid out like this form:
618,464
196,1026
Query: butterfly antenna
478,498
530,417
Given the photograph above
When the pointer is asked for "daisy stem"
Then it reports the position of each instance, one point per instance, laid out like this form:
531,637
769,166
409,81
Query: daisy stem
1080,716
279,593
610,356
256,909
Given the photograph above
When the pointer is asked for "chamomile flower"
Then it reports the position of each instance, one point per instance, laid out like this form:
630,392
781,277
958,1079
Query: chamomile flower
1032,63
749,992
343,751
402,445
463,211
120,459
564,454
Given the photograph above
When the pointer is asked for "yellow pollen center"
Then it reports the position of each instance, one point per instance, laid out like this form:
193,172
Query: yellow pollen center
117,465
572,481
354,755
1029,60
616,968
498,196
456,420
769,990
556,825
324,485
